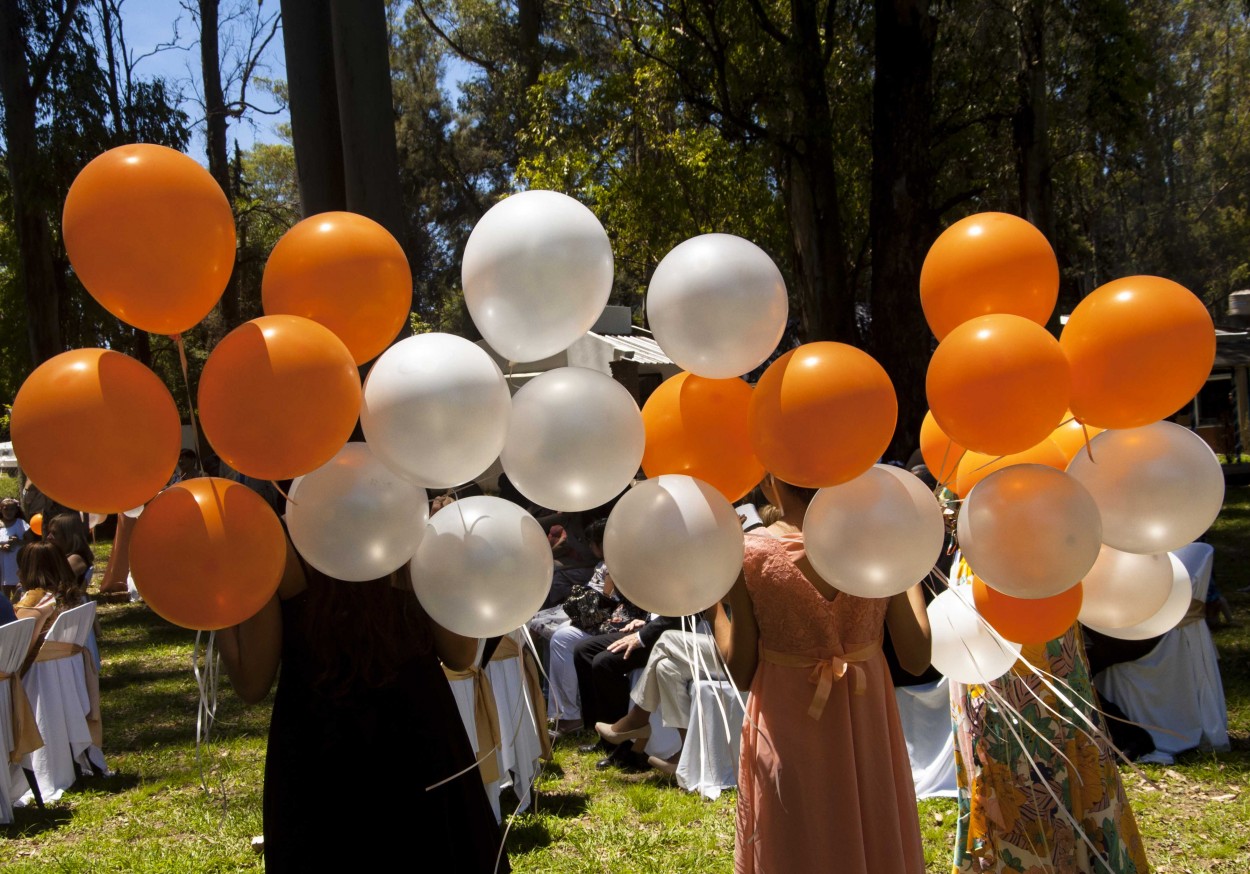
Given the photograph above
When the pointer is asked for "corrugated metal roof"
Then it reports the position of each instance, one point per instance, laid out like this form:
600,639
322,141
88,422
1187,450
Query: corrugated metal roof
644,350
1232,348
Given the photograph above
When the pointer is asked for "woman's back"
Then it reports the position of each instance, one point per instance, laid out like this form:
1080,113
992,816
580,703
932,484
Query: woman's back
825,781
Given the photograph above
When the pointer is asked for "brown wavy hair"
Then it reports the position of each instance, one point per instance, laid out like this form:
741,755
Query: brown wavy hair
377,626
43,565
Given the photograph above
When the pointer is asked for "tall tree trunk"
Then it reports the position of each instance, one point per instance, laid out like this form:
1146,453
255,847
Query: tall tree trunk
1030,128
811,188
362,73
216,121
902,218
313,102
30,213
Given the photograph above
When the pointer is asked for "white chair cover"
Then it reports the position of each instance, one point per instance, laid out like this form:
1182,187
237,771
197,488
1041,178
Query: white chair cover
463,692
14,644
58,695
709,760
1175,690
924,712
519,745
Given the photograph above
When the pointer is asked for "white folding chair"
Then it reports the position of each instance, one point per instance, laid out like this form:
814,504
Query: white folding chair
1175,690
14,644
58,687
520,746
465,689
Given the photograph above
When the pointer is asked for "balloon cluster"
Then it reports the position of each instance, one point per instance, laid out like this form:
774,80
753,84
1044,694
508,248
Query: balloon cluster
1073,490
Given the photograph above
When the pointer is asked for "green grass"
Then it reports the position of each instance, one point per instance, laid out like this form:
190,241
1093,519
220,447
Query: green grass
154,815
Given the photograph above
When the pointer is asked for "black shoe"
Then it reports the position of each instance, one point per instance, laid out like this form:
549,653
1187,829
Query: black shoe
599,746
605,763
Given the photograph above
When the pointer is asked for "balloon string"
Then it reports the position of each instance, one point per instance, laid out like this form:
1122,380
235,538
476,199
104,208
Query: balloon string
186,381
285,496
1088,451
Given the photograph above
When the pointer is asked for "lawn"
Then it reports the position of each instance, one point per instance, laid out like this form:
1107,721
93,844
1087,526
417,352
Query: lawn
164,810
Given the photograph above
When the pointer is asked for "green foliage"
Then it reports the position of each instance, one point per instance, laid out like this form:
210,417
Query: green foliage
9,486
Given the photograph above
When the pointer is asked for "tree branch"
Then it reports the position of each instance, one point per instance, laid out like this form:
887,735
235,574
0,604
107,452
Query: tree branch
39,75
452,44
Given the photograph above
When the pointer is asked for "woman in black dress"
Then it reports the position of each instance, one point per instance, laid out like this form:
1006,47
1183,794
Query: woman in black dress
368,760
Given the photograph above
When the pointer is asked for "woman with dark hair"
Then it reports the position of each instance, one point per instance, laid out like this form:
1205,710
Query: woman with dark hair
362,694
825,780
67,531
48,587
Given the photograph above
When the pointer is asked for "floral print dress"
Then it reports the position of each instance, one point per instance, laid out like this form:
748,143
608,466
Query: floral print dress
1015,786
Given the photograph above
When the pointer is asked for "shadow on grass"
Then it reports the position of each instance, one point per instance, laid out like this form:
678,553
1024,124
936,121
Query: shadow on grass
28,822
566,805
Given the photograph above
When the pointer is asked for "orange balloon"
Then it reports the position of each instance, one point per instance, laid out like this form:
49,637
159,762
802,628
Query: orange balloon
699,427
279,396
1027,620
998,384
1140,348
941,454
346,272
975,466
207,553
988,263
1071,436
96,430
151,236
822,414
36,524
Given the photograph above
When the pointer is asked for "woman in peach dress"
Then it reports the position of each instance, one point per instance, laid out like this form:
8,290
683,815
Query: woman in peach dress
824,782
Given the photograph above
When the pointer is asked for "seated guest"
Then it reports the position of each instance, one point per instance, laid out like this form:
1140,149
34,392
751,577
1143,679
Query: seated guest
603,664
596,608
666,684
68,531
13,530
50,590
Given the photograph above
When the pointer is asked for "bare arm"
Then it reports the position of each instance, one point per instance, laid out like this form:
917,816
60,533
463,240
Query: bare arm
738,639
909,630
77,565
455,650
252,649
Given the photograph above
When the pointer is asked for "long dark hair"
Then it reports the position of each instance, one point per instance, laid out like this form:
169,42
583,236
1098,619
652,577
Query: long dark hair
43,565
376,628
68,530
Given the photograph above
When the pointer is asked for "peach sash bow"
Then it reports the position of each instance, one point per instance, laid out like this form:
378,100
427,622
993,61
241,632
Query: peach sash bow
826,671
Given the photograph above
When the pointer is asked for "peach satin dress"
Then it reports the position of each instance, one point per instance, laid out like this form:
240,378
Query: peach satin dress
825,781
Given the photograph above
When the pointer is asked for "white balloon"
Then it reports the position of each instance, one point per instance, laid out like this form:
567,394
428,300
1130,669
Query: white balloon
1168,616
94,519
1030,531
575,439
135,512
965,648
537,272
673,545
483,568
435,409
875,536
1124,588
356,519
1157,487
717,305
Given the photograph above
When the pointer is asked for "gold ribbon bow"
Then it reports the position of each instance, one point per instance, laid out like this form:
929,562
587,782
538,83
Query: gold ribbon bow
485,718
52,650
826,671
26,736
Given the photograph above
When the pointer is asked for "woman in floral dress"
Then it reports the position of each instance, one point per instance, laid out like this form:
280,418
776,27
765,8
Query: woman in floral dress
1023,784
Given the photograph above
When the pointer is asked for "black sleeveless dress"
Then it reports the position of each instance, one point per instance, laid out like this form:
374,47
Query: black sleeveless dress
346,777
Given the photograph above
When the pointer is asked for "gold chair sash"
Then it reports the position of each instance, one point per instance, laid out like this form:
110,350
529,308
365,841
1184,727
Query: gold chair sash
508,649
51,651
486,718
26,736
